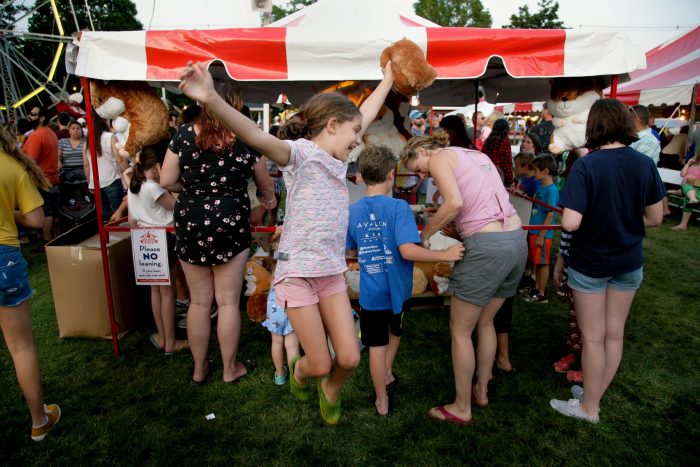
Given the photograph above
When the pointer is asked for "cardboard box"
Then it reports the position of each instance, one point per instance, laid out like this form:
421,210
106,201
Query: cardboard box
77,282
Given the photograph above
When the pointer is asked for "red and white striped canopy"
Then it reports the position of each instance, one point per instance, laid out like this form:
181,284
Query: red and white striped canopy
335,40
673,68
520,107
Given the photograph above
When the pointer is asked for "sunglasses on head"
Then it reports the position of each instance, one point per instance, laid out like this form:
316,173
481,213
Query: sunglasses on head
33,114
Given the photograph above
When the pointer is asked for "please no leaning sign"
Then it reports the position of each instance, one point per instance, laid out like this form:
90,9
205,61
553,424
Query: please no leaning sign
149,248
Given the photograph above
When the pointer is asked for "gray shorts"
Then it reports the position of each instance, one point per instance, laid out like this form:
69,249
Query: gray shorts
492,266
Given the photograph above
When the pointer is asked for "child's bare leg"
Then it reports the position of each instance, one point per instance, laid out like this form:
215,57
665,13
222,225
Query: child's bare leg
542,277
277,352
338,321
291,345
167,303
157,308
503,358
391,351
378,370
692,196
308,327
181,284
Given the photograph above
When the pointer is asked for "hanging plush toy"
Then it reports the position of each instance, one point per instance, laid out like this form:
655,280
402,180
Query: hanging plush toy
412,72
569,102
138,115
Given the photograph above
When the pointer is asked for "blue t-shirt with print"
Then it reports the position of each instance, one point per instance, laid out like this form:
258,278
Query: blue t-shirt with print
530,185
610,188
378,226
547,194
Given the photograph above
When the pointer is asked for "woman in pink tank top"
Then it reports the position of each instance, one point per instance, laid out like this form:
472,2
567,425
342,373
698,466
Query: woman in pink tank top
494,258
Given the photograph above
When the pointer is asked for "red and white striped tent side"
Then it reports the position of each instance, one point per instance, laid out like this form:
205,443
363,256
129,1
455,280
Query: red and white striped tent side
673,68
520,108
332,41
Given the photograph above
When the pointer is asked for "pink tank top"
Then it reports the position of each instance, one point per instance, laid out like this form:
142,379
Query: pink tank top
484,198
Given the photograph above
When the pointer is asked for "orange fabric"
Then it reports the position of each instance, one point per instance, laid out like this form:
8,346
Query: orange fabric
42,146
538,255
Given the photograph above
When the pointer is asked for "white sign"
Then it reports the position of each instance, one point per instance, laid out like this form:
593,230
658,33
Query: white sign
150,250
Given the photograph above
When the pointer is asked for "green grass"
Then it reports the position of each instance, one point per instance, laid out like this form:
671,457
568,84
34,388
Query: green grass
139,408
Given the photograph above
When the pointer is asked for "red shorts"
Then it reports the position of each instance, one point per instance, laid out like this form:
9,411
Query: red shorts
538,255
304,291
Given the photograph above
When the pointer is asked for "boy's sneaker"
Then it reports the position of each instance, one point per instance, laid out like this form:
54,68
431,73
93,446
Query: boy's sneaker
536,298
280,380
560,291
572,408
575,376
577,392
53,415
563,365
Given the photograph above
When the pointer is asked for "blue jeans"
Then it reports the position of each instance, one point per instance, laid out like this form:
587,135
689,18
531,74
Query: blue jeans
624,282
112,196
14,281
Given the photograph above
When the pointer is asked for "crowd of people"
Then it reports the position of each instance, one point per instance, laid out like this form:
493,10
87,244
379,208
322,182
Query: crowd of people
198,182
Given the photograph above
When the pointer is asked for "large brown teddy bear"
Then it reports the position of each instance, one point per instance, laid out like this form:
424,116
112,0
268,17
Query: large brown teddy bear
411,71
138,115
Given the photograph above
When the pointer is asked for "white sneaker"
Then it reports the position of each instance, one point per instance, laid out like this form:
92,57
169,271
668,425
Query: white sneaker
572,408
577,392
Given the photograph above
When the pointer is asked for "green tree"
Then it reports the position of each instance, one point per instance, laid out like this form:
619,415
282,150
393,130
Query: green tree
454,12
546,18
279,12
107,15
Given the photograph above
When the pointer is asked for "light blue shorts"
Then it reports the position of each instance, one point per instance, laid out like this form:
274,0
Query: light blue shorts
625,282
277,320
14,282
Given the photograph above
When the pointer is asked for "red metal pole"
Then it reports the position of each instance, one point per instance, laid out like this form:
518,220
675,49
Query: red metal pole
104,235
613,87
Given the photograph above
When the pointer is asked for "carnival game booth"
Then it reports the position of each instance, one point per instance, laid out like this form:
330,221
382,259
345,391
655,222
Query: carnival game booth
332,41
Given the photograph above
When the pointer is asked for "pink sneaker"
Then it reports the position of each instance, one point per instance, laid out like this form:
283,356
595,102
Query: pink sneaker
565,363
575,376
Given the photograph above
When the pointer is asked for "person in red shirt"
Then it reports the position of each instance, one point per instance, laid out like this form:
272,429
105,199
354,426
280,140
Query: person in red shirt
497,147
42,146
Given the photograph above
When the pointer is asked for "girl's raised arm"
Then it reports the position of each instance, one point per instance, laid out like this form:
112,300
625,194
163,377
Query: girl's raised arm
197,83
374,102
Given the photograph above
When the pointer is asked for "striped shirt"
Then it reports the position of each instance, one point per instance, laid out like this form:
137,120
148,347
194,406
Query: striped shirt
72,157
316,217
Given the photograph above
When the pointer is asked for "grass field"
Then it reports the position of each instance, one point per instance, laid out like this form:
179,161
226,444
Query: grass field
139,408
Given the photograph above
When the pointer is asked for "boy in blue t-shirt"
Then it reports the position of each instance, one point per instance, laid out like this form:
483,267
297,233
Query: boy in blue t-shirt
540,241
384,235
525,171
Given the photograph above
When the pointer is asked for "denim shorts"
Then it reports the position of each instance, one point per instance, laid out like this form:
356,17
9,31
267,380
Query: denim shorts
625,282
14,281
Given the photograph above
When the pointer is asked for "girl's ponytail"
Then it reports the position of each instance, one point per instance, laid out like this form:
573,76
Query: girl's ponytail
295,128
137,178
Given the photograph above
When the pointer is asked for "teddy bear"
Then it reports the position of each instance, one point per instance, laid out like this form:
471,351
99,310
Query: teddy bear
420,281
138,115
412,72
258,280
441,277
352,277
569,103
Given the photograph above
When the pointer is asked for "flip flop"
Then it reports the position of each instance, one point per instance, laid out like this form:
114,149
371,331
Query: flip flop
330,411
448,416
210,368
154,342
250,366
184,347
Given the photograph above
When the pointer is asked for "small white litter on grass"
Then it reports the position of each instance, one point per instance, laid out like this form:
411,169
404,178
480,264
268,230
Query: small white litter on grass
211,416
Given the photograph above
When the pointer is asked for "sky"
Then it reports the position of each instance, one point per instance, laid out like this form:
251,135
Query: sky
648,22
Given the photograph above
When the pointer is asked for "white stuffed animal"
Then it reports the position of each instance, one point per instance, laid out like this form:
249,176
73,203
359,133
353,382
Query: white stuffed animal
569,101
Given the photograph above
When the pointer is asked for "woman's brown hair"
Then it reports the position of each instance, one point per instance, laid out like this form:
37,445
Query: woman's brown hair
99,126
438,140
609,121
8,144
214,135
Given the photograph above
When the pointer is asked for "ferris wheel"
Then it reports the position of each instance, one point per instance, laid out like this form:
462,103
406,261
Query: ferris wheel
22,79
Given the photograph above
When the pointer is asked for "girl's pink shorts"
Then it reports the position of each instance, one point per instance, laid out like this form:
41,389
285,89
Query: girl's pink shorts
304,291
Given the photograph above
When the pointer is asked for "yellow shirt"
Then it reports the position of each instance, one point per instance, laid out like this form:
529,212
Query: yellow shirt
17,191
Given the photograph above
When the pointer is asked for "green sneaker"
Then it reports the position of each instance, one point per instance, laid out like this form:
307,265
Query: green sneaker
300,391
329,411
